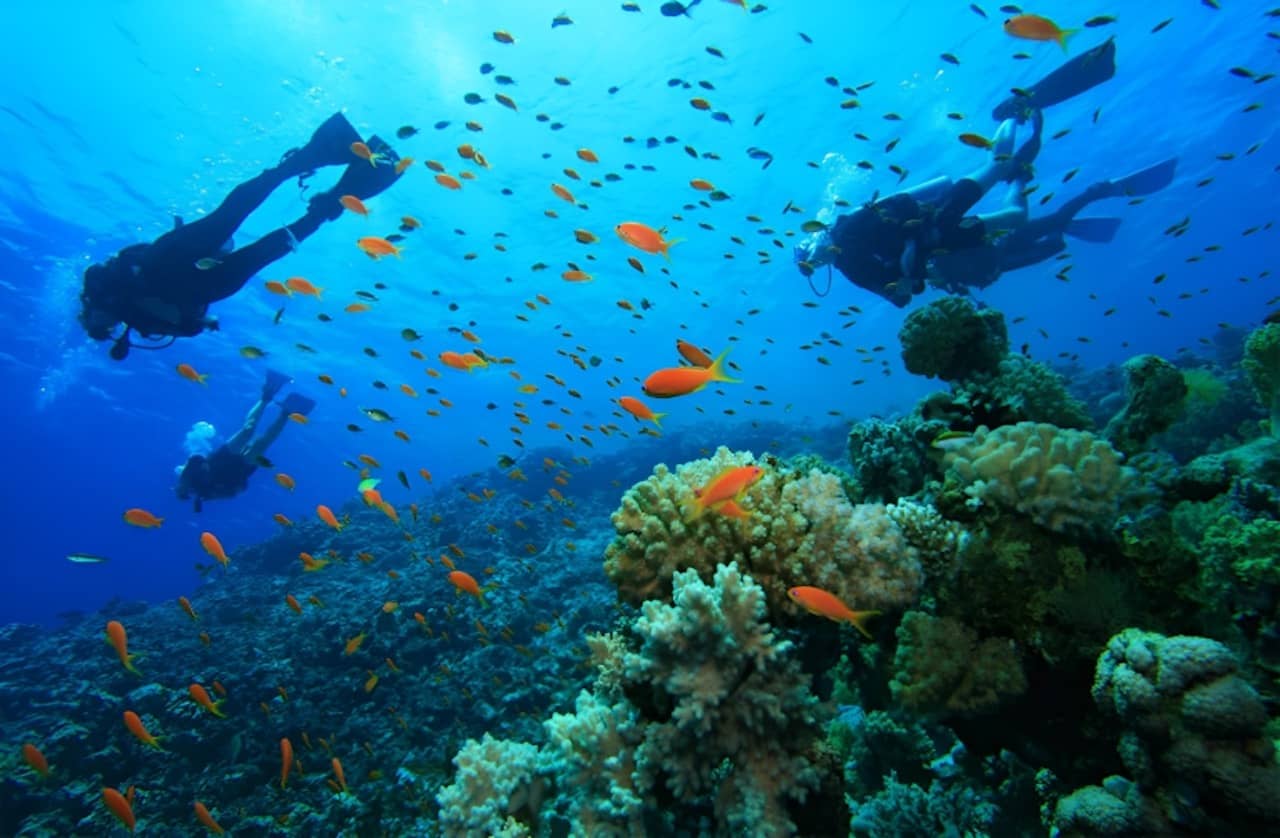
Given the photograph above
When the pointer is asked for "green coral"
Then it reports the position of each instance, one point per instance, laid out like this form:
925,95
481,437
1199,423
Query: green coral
1022,390
942,667
951,339
802,531
1251,550
1262,366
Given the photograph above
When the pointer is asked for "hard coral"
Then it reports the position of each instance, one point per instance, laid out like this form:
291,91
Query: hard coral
1062,479
802,531
1156,392
941,666
495,778
951,339
1262,366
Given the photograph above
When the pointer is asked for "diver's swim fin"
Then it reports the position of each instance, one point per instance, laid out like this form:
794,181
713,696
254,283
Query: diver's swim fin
275,381
360,179
1099,230
1149,180
296,403
1081,73
330,145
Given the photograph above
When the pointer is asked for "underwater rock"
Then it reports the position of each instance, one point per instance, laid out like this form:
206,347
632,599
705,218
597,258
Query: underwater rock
1156,391
952,339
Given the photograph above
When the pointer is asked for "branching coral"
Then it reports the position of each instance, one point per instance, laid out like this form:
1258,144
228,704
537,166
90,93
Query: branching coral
1062,479
495,778
951,339
941,666
802,531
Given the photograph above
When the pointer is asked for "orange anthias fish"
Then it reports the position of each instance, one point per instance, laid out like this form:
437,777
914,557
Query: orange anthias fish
363,151
138,729
467,583
201,696
354,204
286,761
824,604
187,607
681,381
32,756
303,286
189,373
292,602
640,410
693,354
142,518
206,819
1037,28
326,515
275,286
213,547
975,140
120,642
337,772
119,807
646,238
375,247
728,485
353,644
286,481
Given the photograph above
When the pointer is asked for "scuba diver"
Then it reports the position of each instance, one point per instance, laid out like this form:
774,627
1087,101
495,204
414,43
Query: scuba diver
892,245
163,289
225,472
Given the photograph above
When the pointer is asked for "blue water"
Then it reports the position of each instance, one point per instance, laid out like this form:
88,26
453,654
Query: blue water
136,112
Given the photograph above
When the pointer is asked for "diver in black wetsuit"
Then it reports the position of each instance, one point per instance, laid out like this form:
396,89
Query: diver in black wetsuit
163,289
225,473
891,246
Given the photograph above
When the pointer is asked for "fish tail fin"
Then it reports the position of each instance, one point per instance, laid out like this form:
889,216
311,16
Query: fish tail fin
657,419
693,511
859,621
128,664
717,370
666,248
204,379
1064,35
319,292
216,708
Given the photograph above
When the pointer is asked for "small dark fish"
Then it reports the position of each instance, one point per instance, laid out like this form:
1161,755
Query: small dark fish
86,558
1100,20
630,7
674,9
441,125
404,479
757,120
1161,25
367,295
506,461
324,318
1097,113
706,85
504,80
832,80
561,20
1011,9
355,429
276,321
614,90
717,53
1242,72
371,352
950,59
721,116
1018,91
379,385
263,461
978,11
473,98
486,68
396,237
404,132
805,38
892,144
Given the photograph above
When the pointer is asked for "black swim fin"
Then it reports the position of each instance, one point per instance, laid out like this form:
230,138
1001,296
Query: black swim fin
1085,71
1148,180
1100,230
275,381
360,179
330,145
296,403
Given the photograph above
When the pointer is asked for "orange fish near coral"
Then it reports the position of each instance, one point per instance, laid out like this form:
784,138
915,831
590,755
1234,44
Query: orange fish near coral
119,640
1037,28
187,607
286,761
32,756
326,515
206,819
138,729
640,410
728,485
467,583
645,238
213,547
142,518
292,602
681,381
201,696
119,807
824,604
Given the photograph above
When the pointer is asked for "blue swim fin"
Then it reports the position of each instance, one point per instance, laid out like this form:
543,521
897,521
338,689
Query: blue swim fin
1149,180
1099,230
275,381
295,403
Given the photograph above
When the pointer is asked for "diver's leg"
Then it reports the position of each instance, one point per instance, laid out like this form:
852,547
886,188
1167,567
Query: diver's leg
1028,251
240,266
1014,212
239,441
931,191
260,445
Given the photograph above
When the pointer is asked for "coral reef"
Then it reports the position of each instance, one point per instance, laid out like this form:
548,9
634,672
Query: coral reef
1018,390
1193,742
891,460
1156,392
495,779
950,338
1262,367
941,667
802,531
1062,479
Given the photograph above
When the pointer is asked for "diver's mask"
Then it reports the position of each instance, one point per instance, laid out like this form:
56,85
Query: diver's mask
813,252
